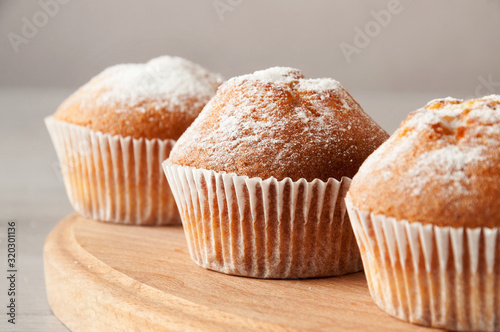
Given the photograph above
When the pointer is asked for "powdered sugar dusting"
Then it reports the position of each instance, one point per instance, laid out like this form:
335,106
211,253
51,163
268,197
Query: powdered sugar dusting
454,113
288,75
241,121
273,74
451,160
247,121
438,143
318,84
163,82
440,100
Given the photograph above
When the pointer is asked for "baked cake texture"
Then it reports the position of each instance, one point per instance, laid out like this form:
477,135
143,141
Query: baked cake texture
276,123
425,211
261,175
112,134
157,99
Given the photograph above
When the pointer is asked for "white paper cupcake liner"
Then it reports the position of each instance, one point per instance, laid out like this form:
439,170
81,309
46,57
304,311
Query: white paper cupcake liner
264,228
443,277
114,178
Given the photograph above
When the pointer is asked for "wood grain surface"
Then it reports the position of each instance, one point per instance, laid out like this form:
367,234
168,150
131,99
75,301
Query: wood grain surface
33,194
104,277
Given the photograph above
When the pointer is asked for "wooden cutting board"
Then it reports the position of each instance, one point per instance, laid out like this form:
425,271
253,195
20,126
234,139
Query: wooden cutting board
104,277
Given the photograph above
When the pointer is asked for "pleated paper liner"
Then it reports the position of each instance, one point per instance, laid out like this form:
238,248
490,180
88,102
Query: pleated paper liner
443,277
113,178
264,228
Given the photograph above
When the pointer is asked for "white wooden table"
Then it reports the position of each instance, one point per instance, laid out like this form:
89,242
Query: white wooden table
32,192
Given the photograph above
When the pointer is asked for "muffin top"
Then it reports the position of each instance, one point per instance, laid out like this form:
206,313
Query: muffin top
157,99
442,166
276,123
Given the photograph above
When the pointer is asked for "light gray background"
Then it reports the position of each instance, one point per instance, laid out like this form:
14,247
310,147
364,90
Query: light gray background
431,45
430,49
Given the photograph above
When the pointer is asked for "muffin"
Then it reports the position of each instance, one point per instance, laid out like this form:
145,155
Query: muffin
425,211
260,176
112,134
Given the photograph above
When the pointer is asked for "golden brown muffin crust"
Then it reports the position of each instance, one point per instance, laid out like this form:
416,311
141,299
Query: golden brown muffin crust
159,99
275,123
442,166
